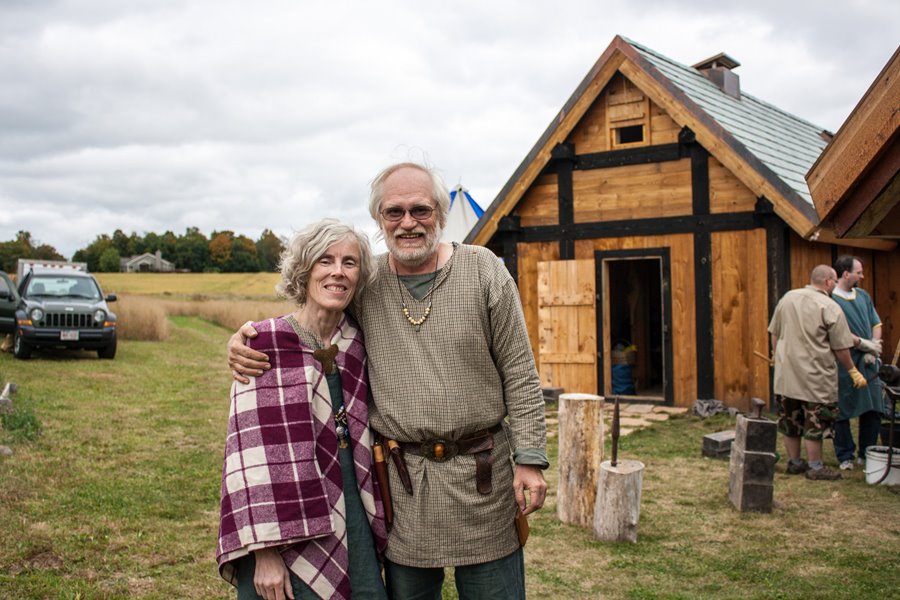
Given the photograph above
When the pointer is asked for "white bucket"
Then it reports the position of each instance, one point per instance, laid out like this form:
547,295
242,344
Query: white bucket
876,464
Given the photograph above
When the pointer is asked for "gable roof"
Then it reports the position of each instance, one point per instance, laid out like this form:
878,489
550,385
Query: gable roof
768,149
855,183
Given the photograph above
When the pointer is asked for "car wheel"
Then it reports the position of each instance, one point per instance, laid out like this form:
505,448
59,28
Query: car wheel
21,349
108,352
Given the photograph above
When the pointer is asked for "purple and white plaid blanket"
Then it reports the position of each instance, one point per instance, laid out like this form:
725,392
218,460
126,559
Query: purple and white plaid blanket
281,483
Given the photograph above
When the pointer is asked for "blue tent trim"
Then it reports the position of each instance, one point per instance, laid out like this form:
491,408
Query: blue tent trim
477,209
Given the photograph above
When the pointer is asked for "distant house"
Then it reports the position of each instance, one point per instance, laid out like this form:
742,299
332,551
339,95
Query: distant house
145,263
655,225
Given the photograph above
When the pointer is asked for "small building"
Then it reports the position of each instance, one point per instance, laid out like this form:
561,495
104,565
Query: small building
146,263
655,225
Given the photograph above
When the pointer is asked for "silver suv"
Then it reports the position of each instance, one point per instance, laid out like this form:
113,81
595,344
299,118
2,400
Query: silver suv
63,308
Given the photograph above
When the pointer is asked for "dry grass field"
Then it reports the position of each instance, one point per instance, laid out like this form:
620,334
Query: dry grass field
214,285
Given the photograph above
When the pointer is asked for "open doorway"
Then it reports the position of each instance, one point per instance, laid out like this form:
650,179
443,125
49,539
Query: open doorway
633,328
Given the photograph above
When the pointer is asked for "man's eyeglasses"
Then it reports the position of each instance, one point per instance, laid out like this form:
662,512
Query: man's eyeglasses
396,213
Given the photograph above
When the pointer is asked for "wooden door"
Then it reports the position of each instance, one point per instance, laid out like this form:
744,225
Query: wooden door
567,327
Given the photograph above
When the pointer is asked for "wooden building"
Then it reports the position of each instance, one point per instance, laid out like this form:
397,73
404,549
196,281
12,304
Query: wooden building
666,211
855,183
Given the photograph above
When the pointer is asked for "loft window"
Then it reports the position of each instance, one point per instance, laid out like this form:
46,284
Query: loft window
629,135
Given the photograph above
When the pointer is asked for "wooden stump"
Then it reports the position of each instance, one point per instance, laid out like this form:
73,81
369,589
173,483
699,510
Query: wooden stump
580,454
618,504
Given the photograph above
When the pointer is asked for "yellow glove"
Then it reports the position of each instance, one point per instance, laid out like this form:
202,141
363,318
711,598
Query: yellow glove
858,380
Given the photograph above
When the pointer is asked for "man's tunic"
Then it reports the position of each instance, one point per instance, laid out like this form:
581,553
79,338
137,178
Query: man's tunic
467,367
808,325
862,319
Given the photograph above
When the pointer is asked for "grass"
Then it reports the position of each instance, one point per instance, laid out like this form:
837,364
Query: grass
118,498
247,285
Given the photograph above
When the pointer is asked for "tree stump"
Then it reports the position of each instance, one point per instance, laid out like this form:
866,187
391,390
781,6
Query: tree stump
618,504
580,453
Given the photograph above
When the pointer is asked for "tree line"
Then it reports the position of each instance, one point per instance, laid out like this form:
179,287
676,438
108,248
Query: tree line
221,252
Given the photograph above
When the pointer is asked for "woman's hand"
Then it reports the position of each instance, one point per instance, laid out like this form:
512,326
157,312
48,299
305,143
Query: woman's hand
242,360
272,579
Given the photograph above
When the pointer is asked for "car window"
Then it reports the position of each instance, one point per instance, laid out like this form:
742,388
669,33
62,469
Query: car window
3,286
62,286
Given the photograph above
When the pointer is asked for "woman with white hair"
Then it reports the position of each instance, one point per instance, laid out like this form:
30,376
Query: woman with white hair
301,514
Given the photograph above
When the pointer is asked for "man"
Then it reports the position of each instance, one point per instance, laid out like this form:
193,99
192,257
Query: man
808,331
865,403
449,358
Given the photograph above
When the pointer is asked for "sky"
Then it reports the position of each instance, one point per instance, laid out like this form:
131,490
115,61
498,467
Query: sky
155,115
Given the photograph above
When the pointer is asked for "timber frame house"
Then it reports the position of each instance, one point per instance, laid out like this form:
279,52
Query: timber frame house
665,211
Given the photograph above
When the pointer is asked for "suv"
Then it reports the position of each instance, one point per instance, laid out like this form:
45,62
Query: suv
9,300
63,308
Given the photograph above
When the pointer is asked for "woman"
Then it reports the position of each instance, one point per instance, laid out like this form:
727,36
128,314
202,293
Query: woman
298,464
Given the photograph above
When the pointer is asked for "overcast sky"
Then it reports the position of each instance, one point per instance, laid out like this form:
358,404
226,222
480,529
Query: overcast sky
155,115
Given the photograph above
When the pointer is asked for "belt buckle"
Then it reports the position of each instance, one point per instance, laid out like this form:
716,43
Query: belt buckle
439,450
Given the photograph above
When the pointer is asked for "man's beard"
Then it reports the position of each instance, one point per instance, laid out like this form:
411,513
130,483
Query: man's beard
415,257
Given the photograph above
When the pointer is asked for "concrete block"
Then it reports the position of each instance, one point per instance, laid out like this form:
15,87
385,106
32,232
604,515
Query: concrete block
755,435
718,445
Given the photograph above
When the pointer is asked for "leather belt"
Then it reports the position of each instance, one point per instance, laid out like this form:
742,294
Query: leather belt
480,444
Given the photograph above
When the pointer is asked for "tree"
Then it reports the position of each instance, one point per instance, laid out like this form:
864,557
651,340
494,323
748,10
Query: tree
109,261
220,249
24,247
91,254
268,249
192,251
243,256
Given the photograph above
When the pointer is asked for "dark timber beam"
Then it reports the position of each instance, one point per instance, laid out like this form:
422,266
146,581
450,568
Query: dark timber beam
509,230
564,159
703,284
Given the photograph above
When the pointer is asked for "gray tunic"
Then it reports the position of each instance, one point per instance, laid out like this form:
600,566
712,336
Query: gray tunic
469,366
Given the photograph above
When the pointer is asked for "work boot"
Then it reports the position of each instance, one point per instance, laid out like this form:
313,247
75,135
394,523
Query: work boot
797,468
823,474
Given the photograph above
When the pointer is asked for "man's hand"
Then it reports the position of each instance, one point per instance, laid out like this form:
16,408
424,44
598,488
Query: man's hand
859,381
869,359
529,477
870,346
271,578
242,360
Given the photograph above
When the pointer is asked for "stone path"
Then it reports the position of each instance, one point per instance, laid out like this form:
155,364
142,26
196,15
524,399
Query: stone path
631,416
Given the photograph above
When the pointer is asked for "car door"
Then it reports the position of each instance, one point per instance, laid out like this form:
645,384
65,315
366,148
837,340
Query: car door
9,299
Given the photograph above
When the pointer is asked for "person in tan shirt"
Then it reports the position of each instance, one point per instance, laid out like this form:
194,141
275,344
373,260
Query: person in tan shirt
808,332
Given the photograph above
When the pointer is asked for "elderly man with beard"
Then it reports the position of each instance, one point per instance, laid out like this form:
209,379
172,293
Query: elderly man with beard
449,361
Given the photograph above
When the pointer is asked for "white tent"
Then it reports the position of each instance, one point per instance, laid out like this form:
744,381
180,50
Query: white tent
464,213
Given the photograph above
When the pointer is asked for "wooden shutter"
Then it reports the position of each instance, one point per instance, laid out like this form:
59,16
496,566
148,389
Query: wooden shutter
567,325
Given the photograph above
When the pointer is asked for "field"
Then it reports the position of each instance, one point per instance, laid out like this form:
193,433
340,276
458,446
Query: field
118,495
259,286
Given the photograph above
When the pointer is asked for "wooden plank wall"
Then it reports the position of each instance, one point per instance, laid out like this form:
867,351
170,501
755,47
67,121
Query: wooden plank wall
646,191
804,257
539,205
727,193
882,280
740,317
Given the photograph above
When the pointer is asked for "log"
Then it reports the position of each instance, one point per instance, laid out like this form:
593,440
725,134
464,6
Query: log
618,504
580,454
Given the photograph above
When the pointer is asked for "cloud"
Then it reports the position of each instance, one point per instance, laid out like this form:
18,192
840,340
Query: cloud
159,115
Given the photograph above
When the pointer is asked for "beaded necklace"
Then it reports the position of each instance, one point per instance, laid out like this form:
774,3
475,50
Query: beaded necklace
417,323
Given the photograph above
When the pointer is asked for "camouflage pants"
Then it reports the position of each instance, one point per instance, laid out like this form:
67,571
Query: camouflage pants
810,420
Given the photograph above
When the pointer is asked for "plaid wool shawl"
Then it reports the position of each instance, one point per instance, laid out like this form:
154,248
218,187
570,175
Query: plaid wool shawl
281,482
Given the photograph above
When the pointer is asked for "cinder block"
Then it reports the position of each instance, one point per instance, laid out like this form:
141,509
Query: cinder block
755,435
718,445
